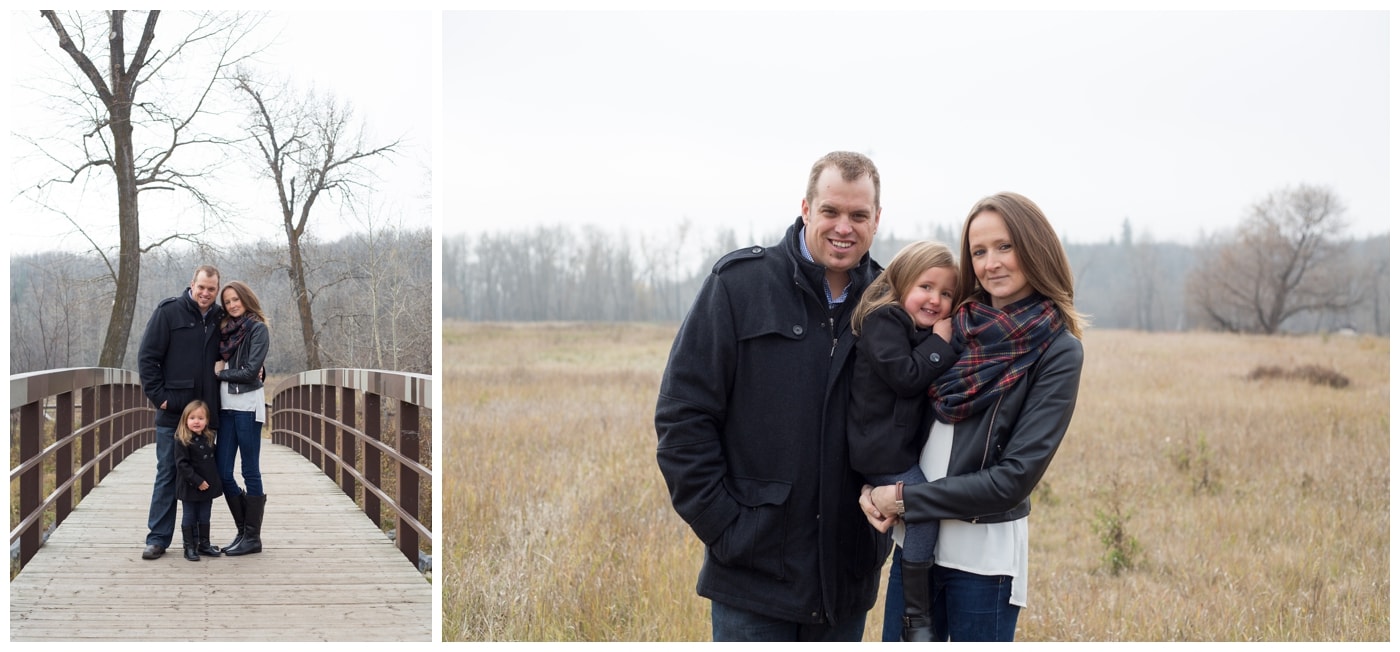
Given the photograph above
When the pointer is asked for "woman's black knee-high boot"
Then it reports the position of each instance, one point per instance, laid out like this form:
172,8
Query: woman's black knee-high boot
252,527
236,506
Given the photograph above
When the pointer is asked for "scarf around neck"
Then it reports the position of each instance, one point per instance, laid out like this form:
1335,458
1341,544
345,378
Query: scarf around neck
231,335
1002,345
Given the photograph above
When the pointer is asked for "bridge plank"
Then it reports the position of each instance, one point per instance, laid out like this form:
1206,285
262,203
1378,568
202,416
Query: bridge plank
326,572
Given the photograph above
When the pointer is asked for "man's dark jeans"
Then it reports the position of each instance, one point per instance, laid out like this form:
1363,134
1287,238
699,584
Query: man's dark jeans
161,521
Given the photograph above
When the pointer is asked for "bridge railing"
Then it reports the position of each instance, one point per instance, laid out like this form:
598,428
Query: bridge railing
68,429
370,432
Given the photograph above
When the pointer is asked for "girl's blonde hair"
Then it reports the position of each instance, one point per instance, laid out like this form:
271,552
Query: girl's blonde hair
897,279
183,432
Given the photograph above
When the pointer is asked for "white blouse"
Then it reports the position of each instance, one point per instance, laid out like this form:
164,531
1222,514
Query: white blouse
254,401
980,548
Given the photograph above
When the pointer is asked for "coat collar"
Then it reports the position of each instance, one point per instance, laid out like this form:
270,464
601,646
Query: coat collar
812,276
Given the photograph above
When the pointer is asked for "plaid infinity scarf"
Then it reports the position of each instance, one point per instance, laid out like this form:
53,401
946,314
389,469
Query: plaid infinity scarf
231,335
1001,347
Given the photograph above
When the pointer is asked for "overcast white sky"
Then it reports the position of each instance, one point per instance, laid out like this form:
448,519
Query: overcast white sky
380,62
1176,121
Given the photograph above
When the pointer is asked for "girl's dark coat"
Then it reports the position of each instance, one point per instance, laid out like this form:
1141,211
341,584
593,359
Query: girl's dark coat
895,364
195,465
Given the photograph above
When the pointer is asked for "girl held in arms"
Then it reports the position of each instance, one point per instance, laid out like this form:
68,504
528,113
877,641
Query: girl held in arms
904,345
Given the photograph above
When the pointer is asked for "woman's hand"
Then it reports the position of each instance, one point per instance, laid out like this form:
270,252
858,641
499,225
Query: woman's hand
873,513
204,486
218,366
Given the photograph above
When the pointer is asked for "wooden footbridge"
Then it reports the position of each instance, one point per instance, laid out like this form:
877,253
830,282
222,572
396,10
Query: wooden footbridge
326,572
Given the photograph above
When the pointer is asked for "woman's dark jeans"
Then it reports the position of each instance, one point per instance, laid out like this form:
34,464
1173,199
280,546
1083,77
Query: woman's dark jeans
966,606
239,433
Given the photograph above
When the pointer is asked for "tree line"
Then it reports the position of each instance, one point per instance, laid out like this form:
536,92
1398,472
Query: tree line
372,292
1285,268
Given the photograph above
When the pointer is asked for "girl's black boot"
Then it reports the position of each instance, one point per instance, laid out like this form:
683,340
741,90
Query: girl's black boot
205,548
191,542
918,619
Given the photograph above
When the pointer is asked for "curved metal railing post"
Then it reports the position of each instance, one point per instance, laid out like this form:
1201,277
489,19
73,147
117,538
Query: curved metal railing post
335,419
114,418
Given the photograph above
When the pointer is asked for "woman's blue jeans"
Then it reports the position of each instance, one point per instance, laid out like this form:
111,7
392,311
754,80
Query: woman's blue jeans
966,606
241,433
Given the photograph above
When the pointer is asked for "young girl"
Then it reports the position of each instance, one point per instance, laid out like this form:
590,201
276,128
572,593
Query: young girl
196,478
904,345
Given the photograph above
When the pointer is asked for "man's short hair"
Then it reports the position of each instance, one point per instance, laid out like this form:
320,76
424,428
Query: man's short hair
207,270
853,166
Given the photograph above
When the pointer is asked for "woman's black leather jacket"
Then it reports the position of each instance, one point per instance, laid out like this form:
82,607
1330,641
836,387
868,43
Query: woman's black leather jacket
245,365
999,456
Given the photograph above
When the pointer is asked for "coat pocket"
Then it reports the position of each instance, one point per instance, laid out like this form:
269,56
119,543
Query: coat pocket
756,539
178,394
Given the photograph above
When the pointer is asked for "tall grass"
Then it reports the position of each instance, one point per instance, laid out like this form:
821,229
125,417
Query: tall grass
1261,507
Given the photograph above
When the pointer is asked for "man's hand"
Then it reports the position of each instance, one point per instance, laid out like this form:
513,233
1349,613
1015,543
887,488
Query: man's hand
203,486
218,366
877,518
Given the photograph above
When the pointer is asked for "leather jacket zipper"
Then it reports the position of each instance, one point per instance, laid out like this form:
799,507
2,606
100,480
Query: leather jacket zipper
988,447
990,425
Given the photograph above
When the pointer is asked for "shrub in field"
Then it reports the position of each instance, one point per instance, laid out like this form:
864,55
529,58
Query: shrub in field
1315,374
1186,458
1121,550
1044,495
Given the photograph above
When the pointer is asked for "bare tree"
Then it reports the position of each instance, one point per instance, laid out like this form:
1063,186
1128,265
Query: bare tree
136,139
390,297
1146,273
309,148
1285,259
54,299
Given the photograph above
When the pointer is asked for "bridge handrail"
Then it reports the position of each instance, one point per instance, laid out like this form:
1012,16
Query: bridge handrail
317,413
116,419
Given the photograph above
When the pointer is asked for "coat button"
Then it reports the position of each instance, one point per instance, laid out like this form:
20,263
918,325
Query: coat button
757,250
797,329
934,358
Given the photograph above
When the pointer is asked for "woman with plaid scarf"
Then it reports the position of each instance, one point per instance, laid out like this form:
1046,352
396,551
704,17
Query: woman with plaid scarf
999,416
243,345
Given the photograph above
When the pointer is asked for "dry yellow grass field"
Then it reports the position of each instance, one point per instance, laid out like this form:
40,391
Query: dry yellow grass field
1260,509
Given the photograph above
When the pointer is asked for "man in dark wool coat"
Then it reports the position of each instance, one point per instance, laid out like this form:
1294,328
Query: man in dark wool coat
176,363
751,423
